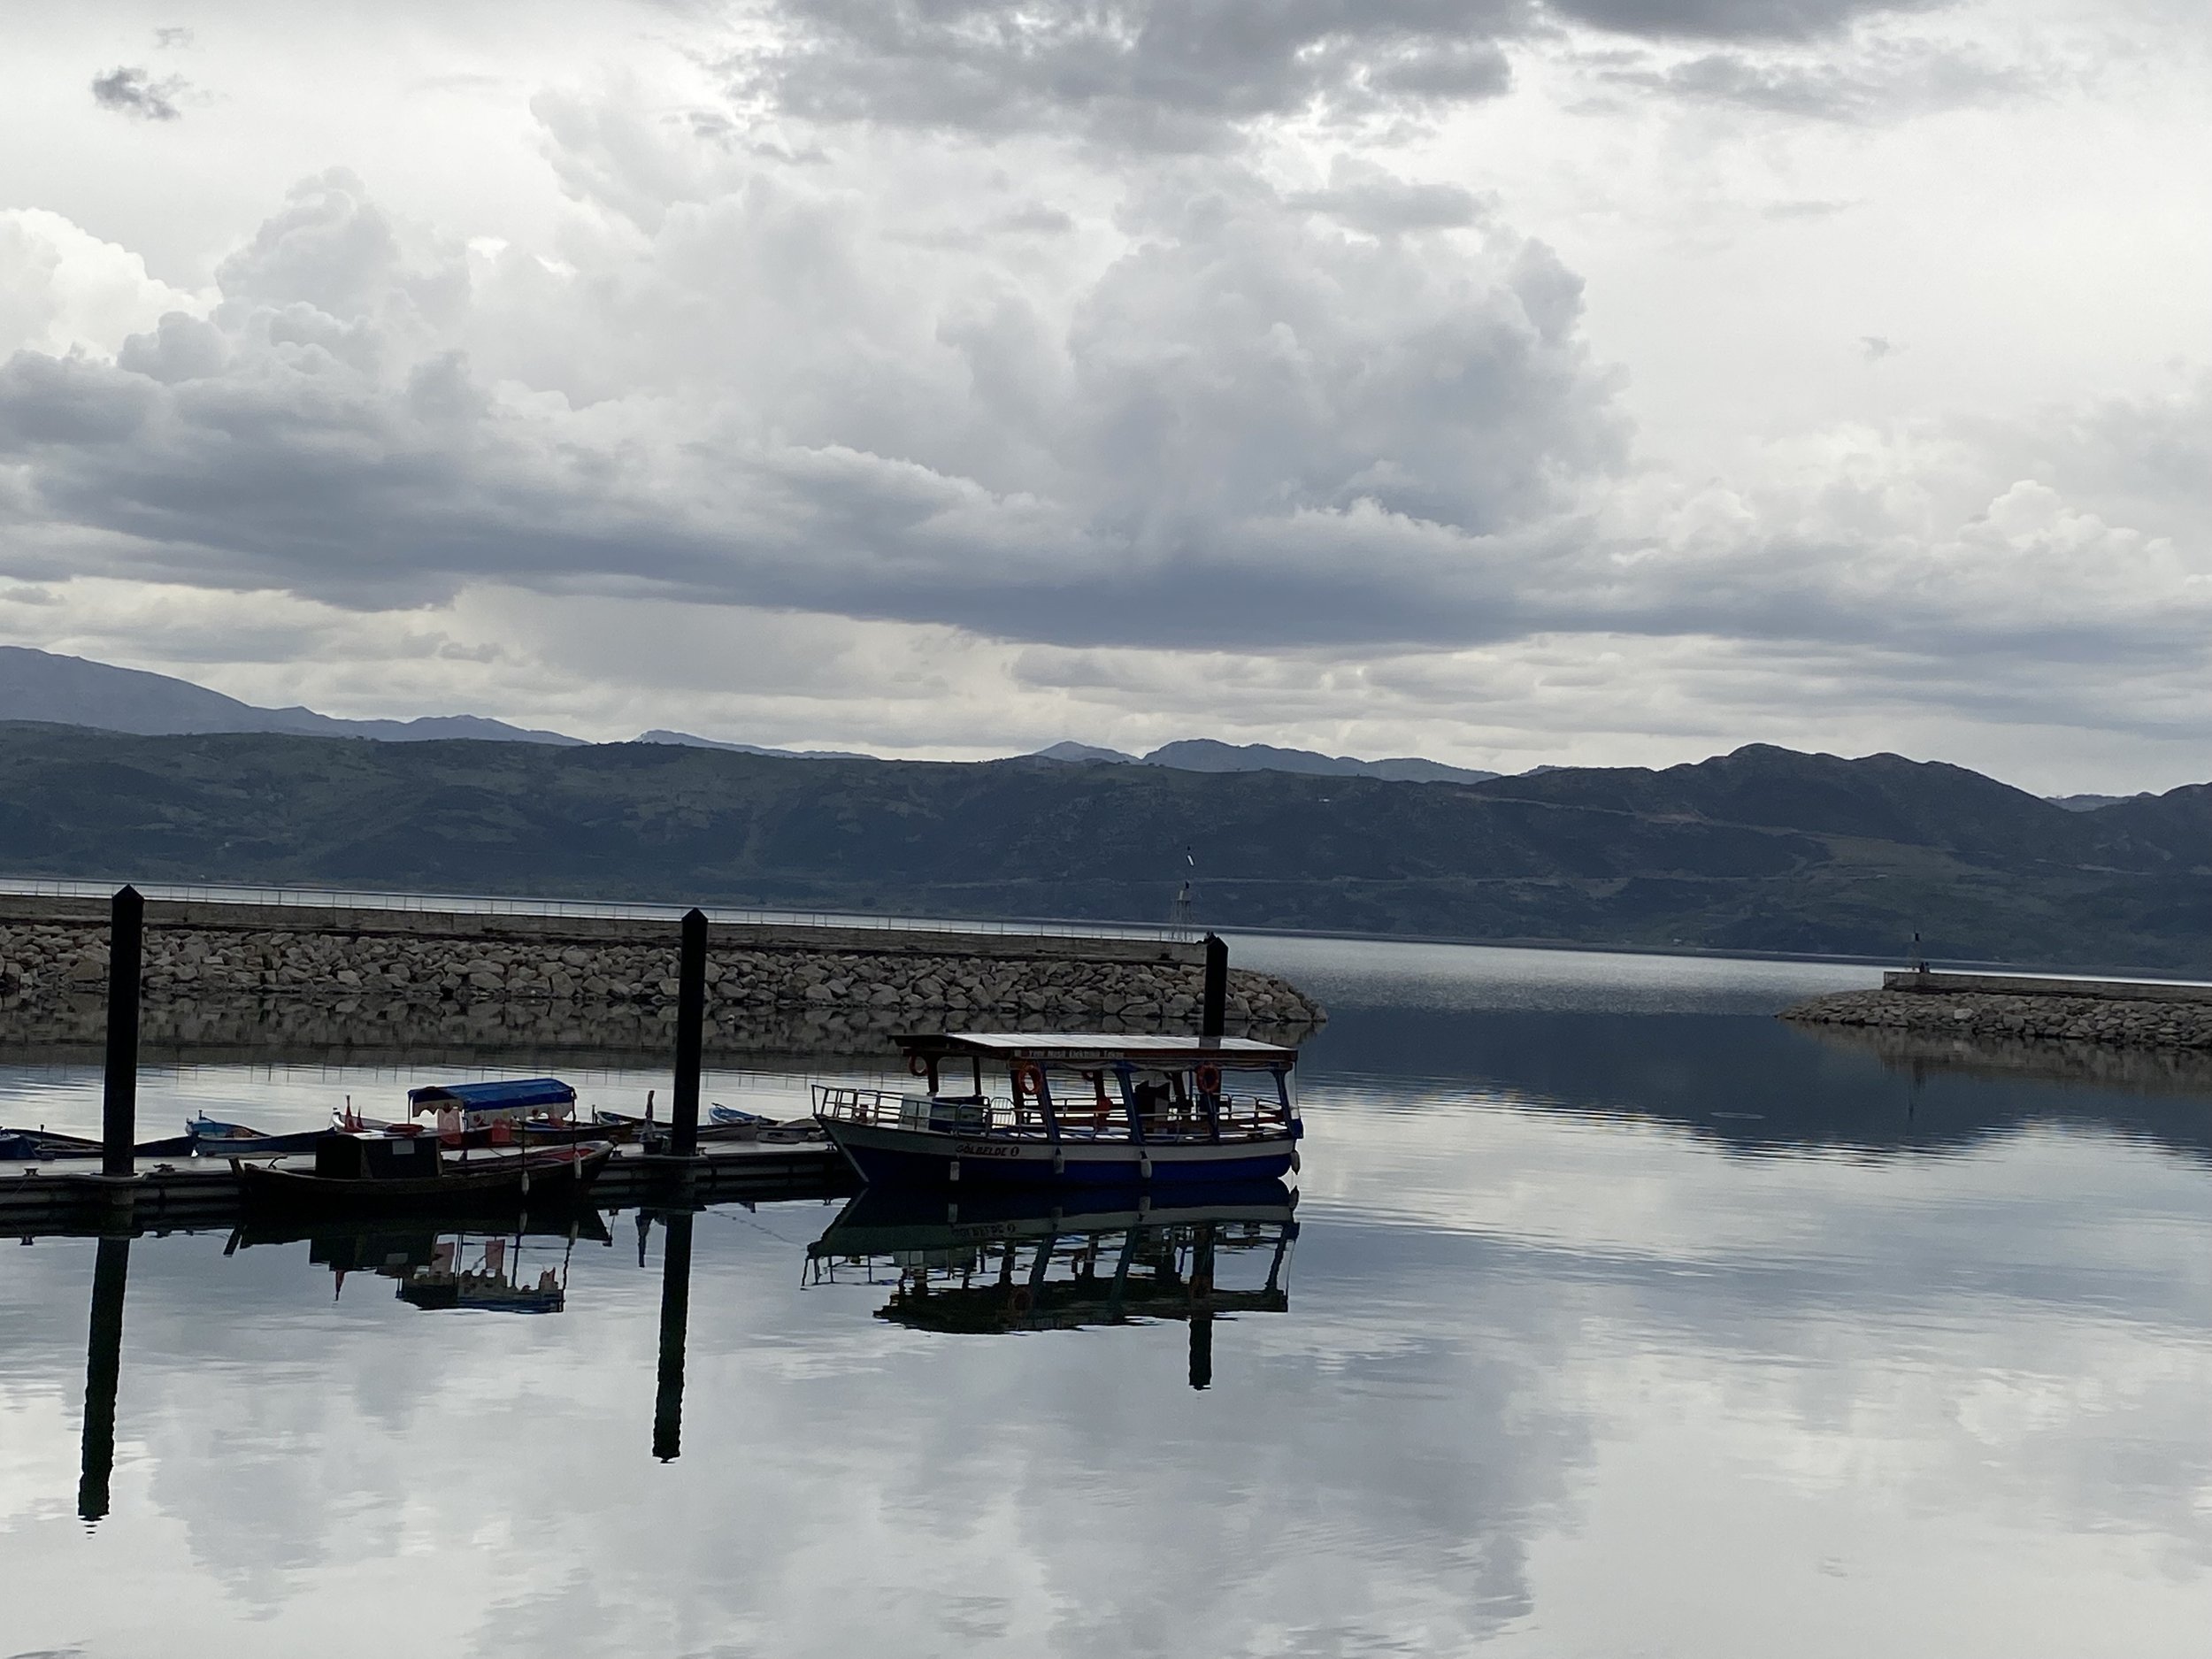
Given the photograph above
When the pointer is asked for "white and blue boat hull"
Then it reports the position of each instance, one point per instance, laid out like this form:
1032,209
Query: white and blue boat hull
892,1155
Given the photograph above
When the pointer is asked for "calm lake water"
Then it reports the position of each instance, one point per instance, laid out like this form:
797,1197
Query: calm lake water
1620,1318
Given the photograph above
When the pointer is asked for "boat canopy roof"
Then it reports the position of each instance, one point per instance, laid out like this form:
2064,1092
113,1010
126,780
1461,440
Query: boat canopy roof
1094,1048
513,1094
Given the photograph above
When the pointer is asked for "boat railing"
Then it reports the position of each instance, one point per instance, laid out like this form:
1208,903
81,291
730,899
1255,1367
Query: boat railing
894,1109
1240,1116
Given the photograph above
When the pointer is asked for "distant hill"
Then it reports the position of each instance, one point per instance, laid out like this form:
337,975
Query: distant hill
1760,850
1205,753
1079,752
73,691
2088,802
688,740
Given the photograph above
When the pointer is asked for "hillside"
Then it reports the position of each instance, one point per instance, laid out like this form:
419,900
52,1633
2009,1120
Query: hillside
1760,850
75,691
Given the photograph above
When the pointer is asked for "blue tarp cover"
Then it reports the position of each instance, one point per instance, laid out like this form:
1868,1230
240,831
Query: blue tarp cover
513,1095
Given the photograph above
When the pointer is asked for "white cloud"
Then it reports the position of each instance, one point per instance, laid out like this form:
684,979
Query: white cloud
63,288
1529,424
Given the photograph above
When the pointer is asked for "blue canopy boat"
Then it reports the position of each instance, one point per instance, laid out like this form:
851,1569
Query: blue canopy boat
533,1108
1079,1109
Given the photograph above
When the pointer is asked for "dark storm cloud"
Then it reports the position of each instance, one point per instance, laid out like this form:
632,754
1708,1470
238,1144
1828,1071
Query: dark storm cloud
1730,20
135,92
1307,431
1182,74
1165,75
1362,414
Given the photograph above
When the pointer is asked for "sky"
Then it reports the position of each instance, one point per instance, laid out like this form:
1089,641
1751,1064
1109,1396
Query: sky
1512,382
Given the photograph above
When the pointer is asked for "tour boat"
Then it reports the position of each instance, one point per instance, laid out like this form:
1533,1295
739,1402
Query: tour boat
1078,1109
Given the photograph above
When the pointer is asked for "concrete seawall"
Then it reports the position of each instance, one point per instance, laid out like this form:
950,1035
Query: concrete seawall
2135,1014
217,973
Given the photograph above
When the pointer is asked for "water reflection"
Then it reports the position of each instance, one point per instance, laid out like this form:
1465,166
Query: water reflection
441,1264
1032,1262
1613,1330
103,1374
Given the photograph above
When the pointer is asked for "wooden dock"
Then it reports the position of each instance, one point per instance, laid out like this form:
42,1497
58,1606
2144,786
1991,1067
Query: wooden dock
74,1196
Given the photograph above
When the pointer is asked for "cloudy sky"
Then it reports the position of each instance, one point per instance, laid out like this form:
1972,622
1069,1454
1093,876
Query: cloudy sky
1510,382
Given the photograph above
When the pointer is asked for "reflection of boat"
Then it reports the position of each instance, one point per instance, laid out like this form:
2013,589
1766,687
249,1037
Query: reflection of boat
449,1262
1012,1264
362,1171
1080,1110
481,1276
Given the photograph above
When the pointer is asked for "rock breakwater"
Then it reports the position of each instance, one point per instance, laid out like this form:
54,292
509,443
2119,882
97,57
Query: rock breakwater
2146,1022
208,964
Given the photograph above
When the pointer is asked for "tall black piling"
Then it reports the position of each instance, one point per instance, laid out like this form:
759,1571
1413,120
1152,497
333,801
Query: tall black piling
1214,1015
119,1100
691,1018
668,1399
103,1370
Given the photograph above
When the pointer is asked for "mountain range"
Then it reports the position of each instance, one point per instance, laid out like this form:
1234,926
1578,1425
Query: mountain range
72,691
1764,849
37,685
1205,753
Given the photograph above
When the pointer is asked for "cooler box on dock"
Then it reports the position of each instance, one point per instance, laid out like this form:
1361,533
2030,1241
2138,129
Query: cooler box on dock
376,1158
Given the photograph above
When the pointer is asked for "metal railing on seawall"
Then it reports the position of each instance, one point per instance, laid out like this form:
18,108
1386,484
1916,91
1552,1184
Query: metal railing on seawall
502,904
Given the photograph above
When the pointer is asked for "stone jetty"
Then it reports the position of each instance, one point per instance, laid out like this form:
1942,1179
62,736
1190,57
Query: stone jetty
219,968
2137,1014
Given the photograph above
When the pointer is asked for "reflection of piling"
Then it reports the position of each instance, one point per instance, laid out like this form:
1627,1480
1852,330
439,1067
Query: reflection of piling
1202,1312
1214,1014
691,1015
103,1368
668,1402
118,1104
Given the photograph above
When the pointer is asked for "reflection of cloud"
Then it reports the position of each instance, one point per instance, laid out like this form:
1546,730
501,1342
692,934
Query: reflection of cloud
1517,1341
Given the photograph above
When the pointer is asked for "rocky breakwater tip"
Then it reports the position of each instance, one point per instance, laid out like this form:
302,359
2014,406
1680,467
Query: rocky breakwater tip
615,982
2118,1014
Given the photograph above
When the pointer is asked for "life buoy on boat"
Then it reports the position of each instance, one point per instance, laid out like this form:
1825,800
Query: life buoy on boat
1208,1077
918,1066
1029,1079
1019,1301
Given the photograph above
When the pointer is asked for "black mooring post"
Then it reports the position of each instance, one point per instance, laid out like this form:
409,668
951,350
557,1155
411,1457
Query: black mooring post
1215,1014
691,1018
668,1401
119,1103
102,1368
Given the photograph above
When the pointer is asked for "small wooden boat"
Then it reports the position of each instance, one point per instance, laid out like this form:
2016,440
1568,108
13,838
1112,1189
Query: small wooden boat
358,1172
211,1138
37,1145
724,1124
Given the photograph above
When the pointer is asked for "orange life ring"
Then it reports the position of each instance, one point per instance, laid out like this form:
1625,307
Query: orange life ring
917,1065
1208,1077
1029,1079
